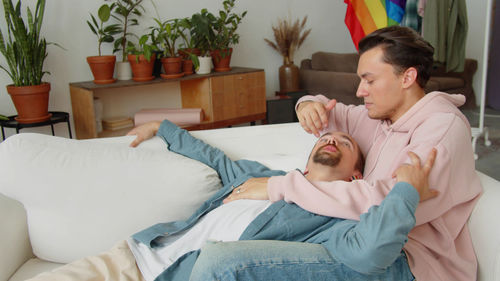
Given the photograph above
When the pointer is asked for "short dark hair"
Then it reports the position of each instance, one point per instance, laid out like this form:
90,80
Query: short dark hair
403,48
360,162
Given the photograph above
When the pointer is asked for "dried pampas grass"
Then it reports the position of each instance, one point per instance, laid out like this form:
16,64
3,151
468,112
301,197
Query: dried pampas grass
288,37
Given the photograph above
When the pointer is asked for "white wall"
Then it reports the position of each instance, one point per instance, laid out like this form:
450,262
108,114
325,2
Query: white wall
476,10
65,23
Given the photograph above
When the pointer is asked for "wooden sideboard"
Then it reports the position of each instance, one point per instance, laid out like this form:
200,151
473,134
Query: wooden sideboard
226,98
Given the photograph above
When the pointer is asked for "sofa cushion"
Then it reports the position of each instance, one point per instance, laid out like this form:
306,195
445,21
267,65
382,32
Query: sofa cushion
32,268
82,197
431,86
446,83
341,86
335,62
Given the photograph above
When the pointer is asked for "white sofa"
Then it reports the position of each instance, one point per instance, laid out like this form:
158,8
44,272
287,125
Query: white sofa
63,199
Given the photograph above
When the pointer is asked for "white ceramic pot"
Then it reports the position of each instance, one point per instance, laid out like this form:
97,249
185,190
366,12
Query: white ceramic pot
205,65
123,70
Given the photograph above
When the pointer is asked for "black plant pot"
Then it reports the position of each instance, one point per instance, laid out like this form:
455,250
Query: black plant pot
157,67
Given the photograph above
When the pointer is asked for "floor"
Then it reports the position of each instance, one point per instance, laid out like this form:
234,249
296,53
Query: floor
489,156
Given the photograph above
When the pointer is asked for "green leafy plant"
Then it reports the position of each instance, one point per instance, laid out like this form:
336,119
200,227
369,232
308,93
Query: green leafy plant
186,33
24,49
3,117
225,26
185,28
104,33
201,30
167,33
126,12
142,48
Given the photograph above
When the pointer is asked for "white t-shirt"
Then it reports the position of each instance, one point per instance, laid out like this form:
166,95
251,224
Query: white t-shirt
225,223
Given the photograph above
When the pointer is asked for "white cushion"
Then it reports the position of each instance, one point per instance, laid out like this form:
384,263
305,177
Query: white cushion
81,197
32,268
485,230
278,146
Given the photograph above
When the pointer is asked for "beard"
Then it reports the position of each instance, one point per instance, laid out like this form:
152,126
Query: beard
327,159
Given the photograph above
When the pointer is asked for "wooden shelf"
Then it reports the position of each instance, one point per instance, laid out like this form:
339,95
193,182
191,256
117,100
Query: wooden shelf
226,98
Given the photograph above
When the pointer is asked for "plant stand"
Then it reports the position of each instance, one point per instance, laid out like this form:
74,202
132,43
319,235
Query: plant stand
57,117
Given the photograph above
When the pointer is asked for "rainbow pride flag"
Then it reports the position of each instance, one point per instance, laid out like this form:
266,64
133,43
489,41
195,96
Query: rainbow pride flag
365,16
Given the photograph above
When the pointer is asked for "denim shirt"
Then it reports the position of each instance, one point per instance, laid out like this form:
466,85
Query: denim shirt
368,246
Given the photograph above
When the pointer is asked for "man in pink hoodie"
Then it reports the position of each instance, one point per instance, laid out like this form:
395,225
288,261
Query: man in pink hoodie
397,117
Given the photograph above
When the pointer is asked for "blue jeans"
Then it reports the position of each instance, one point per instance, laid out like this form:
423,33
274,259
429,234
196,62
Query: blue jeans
278,260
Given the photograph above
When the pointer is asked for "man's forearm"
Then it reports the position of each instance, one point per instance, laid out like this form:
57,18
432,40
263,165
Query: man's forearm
372,244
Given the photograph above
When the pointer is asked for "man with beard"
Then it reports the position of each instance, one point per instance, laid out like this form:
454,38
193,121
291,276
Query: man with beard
397,116
168,251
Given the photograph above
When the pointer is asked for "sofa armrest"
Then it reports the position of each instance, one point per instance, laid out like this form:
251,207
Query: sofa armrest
470,69
467,76
306,64
485,231
15,247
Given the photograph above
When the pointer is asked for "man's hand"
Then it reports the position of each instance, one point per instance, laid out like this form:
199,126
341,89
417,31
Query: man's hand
254,188
144,132
417,175
313,115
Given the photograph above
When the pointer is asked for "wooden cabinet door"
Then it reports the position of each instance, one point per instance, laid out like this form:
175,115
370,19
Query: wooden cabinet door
223,98
238,95
253,97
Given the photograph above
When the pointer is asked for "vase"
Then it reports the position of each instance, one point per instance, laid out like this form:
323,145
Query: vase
289,77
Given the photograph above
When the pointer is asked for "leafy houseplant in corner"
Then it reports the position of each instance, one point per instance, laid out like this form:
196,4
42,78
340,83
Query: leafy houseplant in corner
126,13
25,52
225,26
103,67
142,59
288,38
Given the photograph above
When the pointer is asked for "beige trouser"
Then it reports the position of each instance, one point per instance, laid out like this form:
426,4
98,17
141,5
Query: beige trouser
118,264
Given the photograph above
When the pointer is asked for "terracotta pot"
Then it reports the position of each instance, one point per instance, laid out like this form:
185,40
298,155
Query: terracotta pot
142,70
103,68
187,67
221,59
184,53
172,67
31,102
289,77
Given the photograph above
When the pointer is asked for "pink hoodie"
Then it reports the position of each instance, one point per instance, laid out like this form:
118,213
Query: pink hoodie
439,247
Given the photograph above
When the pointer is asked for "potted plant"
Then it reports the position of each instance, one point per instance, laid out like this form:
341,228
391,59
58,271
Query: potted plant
288,37
103,66
126,13
202,34
25,51
225,26
188,50
142,59
168,32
